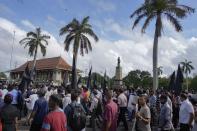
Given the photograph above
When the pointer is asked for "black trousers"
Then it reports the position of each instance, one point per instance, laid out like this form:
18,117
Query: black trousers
122,117
184,127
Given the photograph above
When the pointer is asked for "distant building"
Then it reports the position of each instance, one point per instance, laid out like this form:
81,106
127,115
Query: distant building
55,70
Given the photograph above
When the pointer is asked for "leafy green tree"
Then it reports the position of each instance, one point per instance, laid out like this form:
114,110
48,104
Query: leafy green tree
76,33
156,10
193,84
34,41
3,75
138,78
187,68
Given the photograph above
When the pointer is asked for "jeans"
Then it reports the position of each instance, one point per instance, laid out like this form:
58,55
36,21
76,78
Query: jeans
184,127
122,117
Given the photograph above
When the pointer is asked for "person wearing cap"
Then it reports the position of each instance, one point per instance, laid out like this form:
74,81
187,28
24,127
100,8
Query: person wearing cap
186,113
40,110
9,115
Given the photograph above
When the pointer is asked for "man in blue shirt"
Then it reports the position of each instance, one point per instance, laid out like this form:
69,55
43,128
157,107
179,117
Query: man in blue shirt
40,110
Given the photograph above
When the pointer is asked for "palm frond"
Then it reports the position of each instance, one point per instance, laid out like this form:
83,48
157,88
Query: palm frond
187,8
88,43
85,20
68,41
147,21
43,49
90,32
32,34
174,22
139,11
137,20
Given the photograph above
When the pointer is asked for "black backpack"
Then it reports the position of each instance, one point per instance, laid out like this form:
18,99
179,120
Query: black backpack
77,120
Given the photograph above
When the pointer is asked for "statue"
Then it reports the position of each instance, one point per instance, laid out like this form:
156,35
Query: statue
118,61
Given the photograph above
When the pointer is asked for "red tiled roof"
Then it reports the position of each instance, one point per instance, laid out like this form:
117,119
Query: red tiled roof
45,64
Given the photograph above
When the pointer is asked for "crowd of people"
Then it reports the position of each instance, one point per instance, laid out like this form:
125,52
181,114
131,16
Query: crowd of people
59,108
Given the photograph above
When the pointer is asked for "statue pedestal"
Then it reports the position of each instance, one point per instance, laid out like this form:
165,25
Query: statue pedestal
118,76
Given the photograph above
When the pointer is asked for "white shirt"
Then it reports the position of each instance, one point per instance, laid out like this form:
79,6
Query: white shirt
122,100
133,100
4,92
185,110
31,101
94,103
67,100
48,94
14,94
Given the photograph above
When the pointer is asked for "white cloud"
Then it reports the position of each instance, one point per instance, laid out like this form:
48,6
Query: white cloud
28,24
134,49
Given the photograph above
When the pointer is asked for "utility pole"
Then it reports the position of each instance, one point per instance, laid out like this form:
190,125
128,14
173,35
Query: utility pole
12,48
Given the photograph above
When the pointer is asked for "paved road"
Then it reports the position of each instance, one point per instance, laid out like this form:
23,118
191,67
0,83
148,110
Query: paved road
26,128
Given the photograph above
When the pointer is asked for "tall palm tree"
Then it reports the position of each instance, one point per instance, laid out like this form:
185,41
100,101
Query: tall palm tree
76,33
187,67
156,10
34,41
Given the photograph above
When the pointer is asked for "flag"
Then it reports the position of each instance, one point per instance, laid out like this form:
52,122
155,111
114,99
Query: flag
26,79
172,82
95,80
89,78
179,81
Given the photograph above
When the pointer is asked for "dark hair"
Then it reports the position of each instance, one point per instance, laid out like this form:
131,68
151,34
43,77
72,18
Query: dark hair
164,97
183,95
108,93
74,95
56,99
8,99
41,92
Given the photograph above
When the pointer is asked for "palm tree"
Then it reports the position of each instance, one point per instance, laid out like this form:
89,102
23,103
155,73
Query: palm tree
187,67
156,10
33,41
76,33
160,70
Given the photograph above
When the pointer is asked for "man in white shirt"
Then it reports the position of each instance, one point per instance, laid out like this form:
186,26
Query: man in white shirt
186,113
67,98
122,103
30,103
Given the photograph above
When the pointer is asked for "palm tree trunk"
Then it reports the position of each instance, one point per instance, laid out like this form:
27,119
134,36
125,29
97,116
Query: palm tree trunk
155,57
34,62
74,72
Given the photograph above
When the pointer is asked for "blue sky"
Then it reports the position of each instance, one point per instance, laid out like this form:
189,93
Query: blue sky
53,14
110,20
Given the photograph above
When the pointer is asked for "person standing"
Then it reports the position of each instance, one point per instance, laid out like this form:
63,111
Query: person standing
122,103
75,113
9,115
143,116
110,113
165,117
40,110
67,98
30,102
186,113
55,120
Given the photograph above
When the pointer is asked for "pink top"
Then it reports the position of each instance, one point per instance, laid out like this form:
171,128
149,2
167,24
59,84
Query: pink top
111,115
